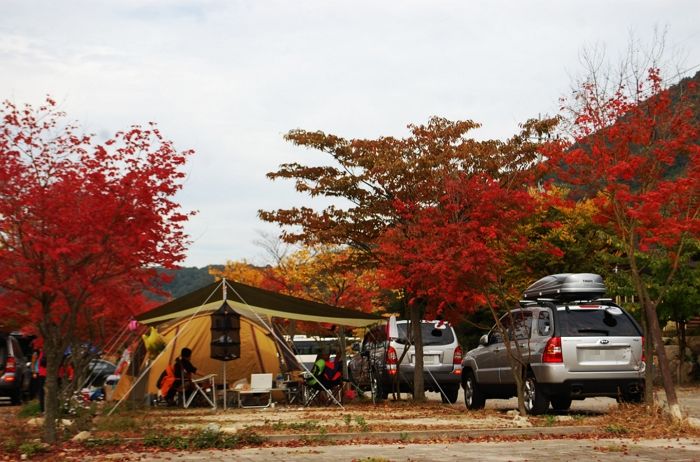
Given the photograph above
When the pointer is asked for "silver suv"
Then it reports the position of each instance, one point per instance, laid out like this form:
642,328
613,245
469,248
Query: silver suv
574,345
376,366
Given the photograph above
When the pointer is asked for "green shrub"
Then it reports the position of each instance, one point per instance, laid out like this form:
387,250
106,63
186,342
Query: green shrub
30,409
32,448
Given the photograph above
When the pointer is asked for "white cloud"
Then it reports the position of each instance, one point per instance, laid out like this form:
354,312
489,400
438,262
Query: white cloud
229,78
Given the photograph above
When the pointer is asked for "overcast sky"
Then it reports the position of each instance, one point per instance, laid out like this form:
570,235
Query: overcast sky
229,78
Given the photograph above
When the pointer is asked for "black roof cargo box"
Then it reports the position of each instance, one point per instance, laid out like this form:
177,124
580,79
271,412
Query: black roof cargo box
567,286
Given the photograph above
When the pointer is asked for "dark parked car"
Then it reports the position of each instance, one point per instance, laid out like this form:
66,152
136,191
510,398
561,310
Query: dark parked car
574,345
15,375
376,366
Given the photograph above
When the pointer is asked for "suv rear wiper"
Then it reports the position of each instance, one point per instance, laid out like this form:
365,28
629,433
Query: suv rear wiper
599,331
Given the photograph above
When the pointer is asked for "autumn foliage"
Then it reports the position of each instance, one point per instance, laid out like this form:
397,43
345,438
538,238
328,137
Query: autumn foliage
80,223
636,153
452,255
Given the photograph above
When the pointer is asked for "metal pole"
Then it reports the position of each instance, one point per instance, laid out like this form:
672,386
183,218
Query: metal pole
225,385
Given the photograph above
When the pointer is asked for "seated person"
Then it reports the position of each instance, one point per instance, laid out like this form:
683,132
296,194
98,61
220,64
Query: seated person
333,372
171,383
317,371
326,373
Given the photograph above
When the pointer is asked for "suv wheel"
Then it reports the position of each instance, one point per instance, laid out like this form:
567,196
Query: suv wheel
561,403
473,397
536,401
449,393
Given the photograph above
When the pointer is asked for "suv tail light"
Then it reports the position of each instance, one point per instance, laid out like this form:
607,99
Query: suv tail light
391,360
552,351
457,356
457,360
644,351
10,369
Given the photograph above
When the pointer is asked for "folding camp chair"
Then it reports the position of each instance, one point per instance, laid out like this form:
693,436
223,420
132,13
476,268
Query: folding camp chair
260,388
204,387
320,391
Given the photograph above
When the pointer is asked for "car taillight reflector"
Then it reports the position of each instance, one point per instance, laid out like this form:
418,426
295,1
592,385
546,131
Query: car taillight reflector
457,357
11,365
644,350
552,351
391,360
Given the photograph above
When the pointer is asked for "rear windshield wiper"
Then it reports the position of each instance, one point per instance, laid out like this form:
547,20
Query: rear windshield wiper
597,331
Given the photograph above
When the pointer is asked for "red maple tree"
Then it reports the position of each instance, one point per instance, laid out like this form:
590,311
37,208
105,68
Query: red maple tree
80,223
451,256
636,151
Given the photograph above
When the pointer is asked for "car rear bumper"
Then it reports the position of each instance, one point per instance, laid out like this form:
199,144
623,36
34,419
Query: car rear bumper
557,380
590,388
453,377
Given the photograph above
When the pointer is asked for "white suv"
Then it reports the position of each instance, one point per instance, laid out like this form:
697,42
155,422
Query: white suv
377,365
574,345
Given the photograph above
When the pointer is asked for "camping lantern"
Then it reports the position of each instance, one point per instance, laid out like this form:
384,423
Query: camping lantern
225,334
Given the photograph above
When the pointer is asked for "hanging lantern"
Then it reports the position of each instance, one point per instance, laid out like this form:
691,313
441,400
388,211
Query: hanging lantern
225,334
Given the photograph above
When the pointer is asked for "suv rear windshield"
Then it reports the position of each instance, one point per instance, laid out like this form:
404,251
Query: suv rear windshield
606,321
3,351
430,333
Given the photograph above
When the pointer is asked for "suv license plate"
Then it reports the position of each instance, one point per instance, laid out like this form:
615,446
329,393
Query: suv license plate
427,359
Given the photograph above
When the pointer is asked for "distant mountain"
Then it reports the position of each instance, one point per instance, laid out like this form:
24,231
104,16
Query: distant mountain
186,280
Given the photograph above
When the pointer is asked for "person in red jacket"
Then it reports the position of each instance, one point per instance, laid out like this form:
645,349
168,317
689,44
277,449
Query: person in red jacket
172,382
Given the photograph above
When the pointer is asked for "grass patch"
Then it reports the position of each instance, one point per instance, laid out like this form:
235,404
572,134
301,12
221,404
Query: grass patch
120,424
32,448
205,439
616,429
362,423
102,442
296,426
31,409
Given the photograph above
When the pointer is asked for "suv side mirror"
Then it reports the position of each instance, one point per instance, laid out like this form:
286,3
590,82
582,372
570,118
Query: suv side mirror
355,347
484,340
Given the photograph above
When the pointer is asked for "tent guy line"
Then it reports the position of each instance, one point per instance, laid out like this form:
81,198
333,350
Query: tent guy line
284,344
264,303
148,368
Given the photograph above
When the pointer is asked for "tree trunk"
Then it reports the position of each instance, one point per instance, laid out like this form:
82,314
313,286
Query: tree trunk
680,330
54,353
649,356
515,355
342,341
418,382
669,387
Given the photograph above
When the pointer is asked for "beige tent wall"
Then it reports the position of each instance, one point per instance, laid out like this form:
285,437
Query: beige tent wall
258,352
